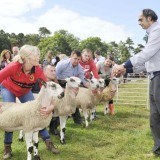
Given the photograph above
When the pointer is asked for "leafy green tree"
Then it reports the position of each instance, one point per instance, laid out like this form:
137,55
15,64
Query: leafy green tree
60,42
138,48
44,32
31,39
4,41
94,43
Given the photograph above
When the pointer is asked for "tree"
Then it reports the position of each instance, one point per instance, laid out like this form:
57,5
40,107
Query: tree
44,32
4,41
94,43
32,39
60,42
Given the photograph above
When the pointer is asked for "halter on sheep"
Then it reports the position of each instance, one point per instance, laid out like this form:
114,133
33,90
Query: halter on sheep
26,116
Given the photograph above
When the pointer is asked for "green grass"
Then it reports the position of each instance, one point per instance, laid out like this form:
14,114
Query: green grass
125,136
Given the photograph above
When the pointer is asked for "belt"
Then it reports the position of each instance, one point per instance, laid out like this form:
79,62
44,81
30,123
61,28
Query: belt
154,74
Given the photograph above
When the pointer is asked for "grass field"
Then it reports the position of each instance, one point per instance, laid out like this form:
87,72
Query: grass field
125,136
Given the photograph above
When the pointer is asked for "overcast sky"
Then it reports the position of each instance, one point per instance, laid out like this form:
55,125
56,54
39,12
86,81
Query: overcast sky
111,20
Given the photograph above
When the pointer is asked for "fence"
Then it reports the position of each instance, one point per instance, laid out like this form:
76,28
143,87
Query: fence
134,90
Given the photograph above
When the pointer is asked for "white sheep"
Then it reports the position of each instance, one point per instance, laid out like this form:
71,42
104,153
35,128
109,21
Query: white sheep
67,105
87,99
98,97
108,94
26,116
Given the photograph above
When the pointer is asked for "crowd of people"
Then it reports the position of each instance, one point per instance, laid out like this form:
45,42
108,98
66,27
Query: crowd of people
20,71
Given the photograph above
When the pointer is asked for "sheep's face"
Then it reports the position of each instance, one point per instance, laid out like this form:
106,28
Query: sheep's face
101,83
113,86
74,83
94,84
54,89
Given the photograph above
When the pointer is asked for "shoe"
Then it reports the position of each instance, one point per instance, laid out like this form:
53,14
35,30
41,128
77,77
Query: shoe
50,146
7,151
152,155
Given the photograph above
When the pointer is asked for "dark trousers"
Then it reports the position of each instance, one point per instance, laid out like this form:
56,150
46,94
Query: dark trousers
54,124
155,111
77,116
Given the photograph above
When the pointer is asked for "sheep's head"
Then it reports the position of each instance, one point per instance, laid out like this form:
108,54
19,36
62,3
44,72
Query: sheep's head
101,84
94,84
113,86
74,83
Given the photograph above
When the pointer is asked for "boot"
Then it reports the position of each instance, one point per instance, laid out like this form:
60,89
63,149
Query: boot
7,151
50,146
111,107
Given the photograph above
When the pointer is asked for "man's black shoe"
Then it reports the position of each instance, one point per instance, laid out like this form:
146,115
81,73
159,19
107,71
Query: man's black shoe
157,153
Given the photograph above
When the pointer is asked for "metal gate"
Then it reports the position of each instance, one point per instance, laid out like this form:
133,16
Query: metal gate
133,91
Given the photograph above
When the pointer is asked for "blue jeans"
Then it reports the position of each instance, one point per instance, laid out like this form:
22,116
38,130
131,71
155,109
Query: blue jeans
8,96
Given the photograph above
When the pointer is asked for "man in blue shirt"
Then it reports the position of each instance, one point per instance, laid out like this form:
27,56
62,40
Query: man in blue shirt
148,58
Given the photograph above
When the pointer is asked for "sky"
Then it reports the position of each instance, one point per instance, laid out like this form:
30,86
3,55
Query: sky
111,20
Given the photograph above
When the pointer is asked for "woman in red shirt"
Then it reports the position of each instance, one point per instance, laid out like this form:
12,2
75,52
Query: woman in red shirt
88,64
17,80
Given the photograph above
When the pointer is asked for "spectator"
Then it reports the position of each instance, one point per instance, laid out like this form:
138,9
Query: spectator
98,57
88,64
105,69
15,50
6,58
48,58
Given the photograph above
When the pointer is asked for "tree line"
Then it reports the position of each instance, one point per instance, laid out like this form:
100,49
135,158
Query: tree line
64,42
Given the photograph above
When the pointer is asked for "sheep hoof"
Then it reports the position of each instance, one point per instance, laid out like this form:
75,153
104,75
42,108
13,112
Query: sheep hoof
37,157
21,139
63,141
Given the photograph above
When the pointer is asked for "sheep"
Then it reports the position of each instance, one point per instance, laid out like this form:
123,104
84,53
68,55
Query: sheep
67,105
107,94
87,98
26,116
98,96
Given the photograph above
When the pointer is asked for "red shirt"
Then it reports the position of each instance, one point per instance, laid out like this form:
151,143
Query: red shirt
15,80
89,67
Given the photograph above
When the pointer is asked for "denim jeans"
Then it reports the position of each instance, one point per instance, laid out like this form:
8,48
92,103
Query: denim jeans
8,96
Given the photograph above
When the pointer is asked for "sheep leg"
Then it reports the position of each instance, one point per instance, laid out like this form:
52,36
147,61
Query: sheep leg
85,113
106,109
63,120
28,138
20,138
35,146
92,117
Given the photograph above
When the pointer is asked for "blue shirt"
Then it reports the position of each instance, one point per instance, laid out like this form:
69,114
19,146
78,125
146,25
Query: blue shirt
64,69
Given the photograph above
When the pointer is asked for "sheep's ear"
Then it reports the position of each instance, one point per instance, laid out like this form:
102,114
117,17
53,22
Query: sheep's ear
44,83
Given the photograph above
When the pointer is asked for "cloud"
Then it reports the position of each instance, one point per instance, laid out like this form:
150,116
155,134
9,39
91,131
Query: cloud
12,8
57,18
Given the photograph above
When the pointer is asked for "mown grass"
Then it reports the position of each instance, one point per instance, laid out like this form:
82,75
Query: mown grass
125,136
